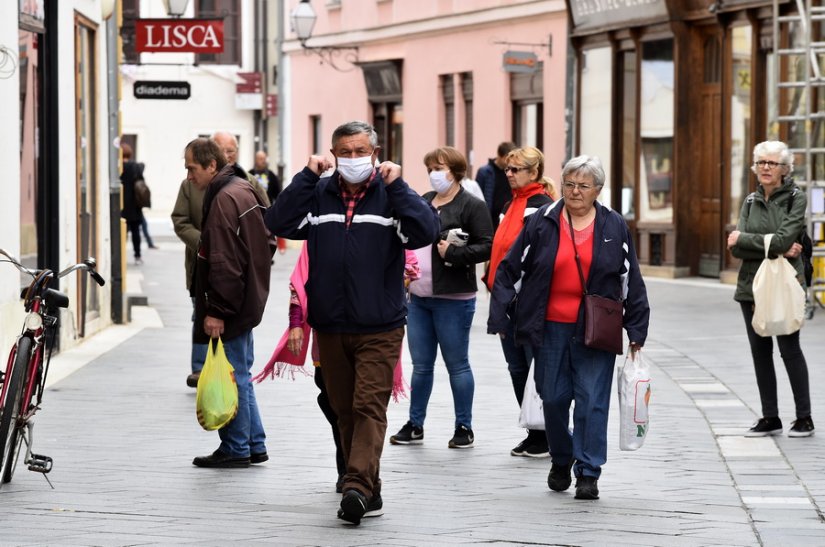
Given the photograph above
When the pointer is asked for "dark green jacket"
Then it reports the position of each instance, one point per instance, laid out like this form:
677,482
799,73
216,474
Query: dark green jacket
759,217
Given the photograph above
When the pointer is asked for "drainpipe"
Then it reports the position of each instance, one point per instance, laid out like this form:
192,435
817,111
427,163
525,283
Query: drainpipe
279,48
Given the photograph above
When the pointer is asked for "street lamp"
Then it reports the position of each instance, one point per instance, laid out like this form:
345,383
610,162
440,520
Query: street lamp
175,8
302,19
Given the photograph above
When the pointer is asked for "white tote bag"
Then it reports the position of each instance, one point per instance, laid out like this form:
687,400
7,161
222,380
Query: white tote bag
779,299
532,408
633,384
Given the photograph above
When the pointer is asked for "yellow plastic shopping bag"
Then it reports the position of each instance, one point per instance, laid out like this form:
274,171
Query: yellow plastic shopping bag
217,399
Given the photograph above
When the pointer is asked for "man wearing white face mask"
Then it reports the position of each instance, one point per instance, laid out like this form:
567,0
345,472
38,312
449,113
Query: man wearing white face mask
357,223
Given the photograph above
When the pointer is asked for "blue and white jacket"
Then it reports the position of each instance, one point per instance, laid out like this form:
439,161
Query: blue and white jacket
522,283
356,273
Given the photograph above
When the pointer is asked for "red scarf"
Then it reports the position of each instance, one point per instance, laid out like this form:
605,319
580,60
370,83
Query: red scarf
510,226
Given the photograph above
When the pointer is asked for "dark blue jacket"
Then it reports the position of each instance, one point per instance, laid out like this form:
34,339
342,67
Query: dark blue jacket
522,284
356,274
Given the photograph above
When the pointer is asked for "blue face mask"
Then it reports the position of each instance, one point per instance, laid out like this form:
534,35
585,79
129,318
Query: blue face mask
355,170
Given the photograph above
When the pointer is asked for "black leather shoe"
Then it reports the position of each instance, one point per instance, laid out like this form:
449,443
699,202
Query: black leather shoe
220,459
192,379
587,488
258,458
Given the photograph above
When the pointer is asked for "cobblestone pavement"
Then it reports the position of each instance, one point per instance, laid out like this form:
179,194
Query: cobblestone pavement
122,432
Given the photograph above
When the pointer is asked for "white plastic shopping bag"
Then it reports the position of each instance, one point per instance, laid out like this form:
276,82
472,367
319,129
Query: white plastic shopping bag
532,409
778,297
633,383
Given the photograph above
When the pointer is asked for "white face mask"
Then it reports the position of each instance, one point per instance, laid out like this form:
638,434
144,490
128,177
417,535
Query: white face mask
439,181
355,170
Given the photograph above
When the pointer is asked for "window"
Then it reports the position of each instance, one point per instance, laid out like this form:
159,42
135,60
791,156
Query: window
316,146
527,96
383,80
131,11
230,12
656,128
467,92
595,111
448,95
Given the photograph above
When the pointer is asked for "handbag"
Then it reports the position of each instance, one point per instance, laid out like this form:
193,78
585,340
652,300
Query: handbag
602,316
216,402
633,386
778,298
532,407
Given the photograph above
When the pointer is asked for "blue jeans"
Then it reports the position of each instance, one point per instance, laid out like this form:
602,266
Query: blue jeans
567,371
198,350
434,322
245,433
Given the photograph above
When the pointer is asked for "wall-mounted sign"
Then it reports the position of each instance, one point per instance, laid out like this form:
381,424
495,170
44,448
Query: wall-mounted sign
598,14
179,35
249,93
146,89
519,61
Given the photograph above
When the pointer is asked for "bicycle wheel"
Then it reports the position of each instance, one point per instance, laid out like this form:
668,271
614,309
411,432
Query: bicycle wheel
10,410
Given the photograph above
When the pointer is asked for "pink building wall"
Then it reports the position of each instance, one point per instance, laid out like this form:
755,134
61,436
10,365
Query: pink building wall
431,37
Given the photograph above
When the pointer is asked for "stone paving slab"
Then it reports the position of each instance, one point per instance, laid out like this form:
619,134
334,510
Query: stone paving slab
122,432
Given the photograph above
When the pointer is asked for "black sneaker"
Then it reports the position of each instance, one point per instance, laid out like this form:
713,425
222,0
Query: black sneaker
375,507
587,488
260,457
409,434
353,506
520,447
559,478
803,427
764,427
463,438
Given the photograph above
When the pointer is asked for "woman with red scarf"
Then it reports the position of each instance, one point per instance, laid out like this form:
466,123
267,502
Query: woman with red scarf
531,189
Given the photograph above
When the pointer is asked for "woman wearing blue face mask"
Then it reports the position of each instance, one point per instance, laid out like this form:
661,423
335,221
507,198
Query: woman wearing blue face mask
443,299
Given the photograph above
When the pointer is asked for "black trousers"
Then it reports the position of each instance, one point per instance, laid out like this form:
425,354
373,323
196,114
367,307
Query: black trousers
791,353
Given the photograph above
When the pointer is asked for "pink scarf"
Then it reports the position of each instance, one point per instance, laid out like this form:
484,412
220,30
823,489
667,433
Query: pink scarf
278,365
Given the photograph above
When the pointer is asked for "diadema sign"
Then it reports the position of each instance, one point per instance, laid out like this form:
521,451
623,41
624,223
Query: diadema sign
179,35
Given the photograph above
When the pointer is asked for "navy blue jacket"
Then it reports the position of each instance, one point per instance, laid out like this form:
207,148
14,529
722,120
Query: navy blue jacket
522,284
356,274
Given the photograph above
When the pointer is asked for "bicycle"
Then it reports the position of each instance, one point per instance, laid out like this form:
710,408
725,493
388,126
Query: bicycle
24,379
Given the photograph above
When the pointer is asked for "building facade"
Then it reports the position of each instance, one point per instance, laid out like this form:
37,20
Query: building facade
426,74
674,95
57,158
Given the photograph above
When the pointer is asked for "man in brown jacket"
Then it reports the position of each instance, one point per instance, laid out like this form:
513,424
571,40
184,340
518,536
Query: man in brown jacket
231,288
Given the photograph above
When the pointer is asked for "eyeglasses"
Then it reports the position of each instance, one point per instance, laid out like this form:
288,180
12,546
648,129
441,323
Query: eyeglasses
769,164
569,186
514,170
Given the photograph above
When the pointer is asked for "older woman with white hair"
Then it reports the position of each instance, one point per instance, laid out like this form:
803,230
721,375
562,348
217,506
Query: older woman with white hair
572,242
777,207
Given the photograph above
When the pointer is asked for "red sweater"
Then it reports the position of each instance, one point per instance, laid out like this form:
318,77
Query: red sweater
566,288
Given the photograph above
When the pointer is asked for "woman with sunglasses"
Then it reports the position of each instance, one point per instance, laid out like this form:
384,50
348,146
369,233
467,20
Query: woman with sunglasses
768,211
530,190
538,293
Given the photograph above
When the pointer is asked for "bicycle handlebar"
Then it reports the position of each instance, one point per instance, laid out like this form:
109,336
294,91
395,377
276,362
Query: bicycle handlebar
88,265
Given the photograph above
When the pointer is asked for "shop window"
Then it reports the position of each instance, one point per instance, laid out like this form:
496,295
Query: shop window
595,109
230,12
740,118
656,131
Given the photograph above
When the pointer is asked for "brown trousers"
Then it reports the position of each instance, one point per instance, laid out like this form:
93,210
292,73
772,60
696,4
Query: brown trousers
358,374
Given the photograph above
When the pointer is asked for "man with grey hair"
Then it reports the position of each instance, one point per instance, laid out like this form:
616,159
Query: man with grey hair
229,145
357,223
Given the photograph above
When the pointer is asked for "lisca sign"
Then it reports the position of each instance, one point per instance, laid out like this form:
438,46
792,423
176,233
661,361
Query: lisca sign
179,35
